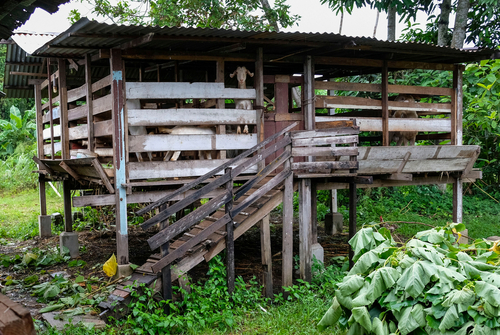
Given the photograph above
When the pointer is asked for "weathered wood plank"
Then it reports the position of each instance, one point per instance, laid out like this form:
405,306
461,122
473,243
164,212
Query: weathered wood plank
345,124
324,151
188,221
47,132
310,166
186,168
55,114
77,113
324,132
400,89
375,124
305,229
78,132
419,152
161,142
150,90
101,83
181,116
102,104
365,103
100,171
305,142
103,128
265,246
77,93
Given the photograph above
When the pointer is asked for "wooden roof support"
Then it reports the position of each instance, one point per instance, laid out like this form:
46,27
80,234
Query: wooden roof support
90,115
63,109
51,110
385,105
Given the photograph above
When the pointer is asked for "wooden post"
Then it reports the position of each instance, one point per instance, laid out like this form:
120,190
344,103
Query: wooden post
305,229
385,105
221,103
259,100
309,105
230,238
51,111
42,194
119,156
333,204
352,218
63,109
265,247
166,273
68,220
287,251
456,138
40,153
90,114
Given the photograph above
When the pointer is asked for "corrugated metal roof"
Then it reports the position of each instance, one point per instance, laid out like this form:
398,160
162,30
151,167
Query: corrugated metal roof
88,36
13,14
18,63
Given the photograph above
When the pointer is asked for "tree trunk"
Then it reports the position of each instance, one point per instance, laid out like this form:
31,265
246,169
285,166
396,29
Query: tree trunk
341,22
460,24
267,10
376,24
443,23
391,24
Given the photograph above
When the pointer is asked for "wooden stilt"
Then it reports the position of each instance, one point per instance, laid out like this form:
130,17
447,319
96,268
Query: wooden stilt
314,213
352,218
221,103
166,275
333,204
230,239
259,101
305,229
287,252
118,117
90,114
63,109
68,220
265,247
42,194
457,201
385,105
456,138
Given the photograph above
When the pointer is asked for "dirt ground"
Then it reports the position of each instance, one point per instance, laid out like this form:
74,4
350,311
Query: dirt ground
100,245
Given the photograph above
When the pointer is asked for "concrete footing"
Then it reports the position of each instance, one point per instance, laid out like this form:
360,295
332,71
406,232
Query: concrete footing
123,270
70,241
463,239
334,223
44,225
318,252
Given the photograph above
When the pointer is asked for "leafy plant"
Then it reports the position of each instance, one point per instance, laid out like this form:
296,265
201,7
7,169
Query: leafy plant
19,129
430,285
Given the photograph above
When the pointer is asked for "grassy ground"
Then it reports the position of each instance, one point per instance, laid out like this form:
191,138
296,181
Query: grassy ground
19,212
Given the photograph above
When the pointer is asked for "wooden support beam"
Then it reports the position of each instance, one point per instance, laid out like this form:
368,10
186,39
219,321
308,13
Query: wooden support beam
63,109
287,248
118,117
70,171
104,177
259,99
457,200
39,121
68,217
305,251
314,212
385,105
34,74
221,103
166,275
42,194
265,247
89,104
229,236
51,110
137,41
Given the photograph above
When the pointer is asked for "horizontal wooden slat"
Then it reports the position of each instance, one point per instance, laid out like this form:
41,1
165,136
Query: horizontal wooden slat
375,124
47,104
134,198
324,132
150,170
324,151
57,132
323,101
306,142
53,77
103,128
102,104
172,117
161,142
77,113
418,152
314,166
152,90
78,132
400,89
77,93
55,113
101,83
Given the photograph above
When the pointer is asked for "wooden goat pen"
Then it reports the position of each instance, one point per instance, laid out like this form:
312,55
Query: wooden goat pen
116,96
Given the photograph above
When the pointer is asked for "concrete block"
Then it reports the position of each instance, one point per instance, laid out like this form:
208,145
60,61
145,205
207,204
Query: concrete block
70,241
77,215
334,223
57,219
462,239
123,270
44,225
318,252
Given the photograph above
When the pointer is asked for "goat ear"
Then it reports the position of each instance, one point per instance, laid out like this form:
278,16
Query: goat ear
250,73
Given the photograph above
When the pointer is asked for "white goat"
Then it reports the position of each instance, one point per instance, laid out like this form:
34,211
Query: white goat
186,130
241,74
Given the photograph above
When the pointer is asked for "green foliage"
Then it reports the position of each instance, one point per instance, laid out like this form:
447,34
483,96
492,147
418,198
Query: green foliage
229,14
20,129
430,285
35,259
16,170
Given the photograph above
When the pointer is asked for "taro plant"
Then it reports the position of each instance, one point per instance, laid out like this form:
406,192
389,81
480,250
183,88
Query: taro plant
430,285
20,129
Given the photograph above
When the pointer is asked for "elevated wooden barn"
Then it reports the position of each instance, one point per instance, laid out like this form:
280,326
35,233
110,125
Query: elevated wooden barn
101,80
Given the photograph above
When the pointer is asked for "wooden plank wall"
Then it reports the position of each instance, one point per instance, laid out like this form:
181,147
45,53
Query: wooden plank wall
192,109
65,117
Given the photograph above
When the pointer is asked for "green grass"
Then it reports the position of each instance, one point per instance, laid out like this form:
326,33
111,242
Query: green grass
19,212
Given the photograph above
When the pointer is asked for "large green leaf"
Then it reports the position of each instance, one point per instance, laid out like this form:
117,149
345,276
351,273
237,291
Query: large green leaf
363,240
15,116
449,318
462,298
407,320
488,292
344,300
365,262
379,327
350,284
382,279
331,316
414,279
362,316
364,296
429,254
449,275
491,278
491,311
